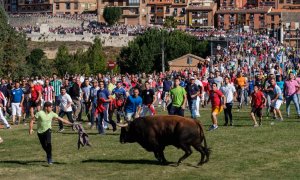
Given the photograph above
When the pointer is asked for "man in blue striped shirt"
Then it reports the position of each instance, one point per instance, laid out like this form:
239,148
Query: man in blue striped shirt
56,84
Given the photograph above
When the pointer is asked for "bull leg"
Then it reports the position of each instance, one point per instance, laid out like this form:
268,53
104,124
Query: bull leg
162,156
156,154
203,154
188,152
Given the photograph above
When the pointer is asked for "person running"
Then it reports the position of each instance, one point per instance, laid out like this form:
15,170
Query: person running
276,101
167,85
75,93
17,99
149,98
120,96
179,98
36,97
193,91
56,84
65,107
93,100
44,125
133,106
258,101
103,120
86,90
230,93
216,96
3,104
48,92
290,93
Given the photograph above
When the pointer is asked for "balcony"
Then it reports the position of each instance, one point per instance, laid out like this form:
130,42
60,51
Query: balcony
179,3
159,2
200,16
130,13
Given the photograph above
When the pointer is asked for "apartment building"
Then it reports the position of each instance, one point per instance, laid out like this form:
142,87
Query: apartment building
74,6
134,12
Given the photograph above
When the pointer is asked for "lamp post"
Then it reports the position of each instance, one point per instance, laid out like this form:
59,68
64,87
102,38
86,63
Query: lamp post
297,34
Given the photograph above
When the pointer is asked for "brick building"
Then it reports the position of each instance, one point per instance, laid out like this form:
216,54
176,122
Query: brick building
74,6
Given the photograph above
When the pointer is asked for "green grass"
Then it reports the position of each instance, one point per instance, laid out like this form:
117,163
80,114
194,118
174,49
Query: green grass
239,152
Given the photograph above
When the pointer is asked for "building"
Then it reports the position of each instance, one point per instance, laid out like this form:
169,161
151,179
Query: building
74,6
31,6
188,61
133,11
201,14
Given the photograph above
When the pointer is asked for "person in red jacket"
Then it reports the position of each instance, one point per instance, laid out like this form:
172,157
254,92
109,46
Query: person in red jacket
258,101
36,97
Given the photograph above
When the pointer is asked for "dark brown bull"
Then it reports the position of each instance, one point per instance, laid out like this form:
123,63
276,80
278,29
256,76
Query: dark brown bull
154,133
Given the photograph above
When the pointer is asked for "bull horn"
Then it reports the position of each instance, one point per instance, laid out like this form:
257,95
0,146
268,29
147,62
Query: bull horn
122,124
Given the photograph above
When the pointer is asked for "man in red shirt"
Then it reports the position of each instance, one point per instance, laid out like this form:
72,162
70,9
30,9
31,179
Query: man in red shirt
216,96
258,101
36,97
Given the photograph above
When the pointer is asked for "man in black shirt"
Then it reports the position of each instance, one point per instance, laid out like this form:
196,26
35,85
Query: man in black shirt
149,98
192,92
76,97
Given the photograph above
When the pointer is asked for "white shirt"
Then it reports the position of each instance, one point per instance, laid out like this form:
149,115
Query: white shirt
228,91
64,100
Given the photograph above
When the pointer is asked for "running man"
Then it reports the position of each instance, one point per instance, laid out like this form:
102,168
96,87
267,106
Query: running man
44,125
17,99
216,96
56,84
258,101
179,98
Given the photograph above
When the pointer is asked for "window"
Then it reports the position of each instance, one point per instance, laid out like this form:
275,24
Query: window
75,5
57,6
272,18
281,1
134,2
68,5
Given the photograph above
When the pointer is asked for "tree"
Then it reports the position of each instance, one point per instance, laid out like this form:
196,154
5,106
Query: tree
62,62
170,22
144,53
38,63
13,49
112,14
95,57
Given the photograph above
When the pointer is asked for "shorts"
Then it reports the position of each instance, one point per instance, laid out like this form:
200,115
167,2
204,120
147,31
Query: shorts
276,104
129,116
16,109
257,111
57,100
217,110
34,104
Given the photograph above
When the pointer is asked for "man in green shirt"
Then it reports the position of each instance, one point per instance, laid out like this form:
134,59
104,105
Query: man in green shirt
44,124
178,96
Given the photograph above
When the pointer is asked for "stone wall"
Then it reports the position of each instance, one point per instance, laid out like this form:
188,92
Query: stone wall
52,22
107,40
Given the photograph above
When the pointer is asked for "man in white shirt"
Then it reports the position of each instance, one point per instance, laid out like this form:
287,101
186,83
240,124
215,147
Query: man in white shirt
230,93
199,84
65,107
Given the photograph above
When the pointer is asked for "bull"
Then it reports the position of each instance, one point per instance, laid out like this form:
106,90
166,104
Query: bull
154,133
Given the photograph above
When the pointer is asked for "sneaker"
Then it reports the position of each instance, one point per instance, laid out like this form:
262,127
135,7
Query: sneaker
61,130
213,127
279,119
231,124
225,124
260,123
288,116
255,125
8,127
49,161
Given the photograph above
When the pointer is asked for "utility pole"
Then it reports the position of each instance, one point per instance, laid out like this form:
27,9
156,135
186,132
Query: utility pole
163,53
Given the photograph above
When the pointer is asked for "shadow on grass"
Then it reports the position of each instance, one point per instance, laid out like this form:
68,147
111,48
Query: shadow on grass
123,161
33,162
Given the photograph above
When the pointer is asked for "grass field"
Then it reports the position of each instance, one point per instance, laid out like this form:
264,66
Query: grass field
239,152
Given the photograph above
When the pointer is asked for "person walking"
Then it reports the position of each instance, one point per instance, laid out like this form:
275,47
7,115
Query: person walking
56,84
3,104
290,89
193,91
216,97
229,92
179,98
44,125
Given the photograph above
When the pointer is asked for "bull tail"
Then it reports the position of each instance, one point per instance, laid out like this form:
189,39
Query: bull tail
206,149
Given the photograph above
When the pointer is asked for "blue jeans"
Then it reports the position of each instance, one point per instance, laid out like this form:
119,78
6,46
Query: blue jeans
92,119
192,106
293,98
103,118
